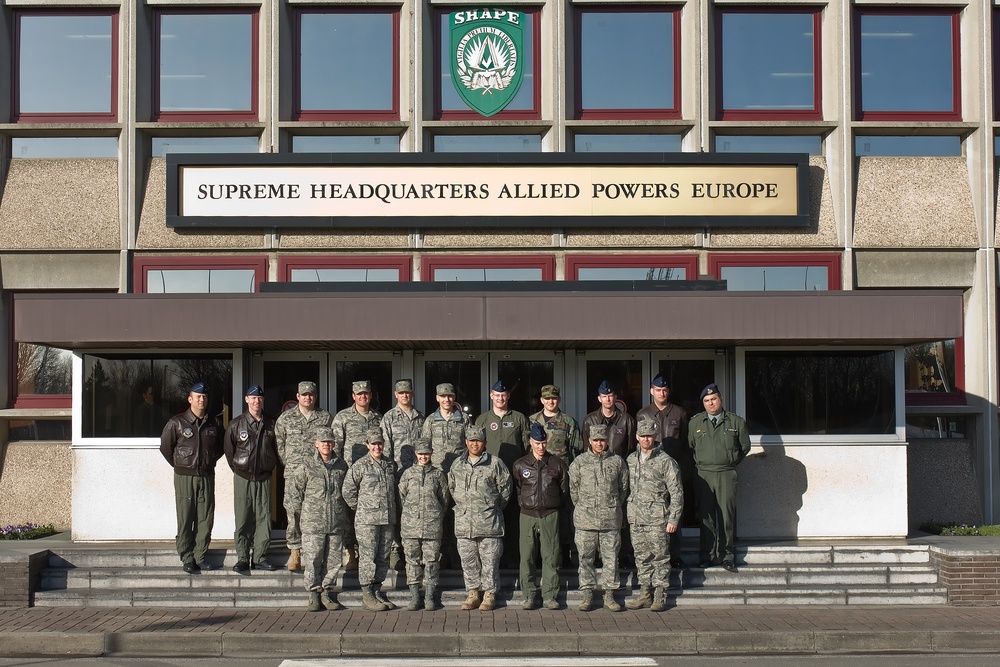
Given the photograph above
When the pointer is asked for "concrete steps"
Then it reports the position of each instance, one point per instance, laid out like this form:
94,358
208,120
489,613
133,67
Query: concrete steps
151,576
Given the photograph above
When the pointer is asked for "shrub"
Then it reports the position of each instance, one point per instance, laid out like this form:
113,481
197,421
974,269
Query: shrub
28,531
951,529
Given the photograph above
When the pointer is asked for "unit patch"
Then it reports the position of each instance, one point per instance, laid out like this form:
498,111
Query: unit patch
486,57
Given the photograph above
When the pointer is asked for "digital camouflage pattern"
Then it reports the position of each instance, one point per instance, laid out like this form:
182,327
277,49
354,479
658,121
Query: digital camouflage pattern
424,498
447,436
656,496
423,561
374,543
316,495
350,428
400,429
481,562
598,486
588,544
294,433
370,490
480,490
322,560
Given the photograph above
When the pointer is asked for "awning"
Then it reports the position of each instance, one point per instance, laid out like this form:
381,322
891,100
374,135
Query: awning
536,318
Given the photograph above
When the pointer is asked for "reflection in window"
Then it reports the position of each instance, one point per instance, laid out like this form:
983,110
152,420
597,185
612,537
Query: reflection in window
928,426
346,60
65,64
768,61
345,144
627,59
206,63
352,275
631,273
627,143
465,375
912,146
379,373
64,147
686,378
775,278
487,143
625,376
445,274
930,367
525,379
134,395
49,430
907,62
820,393
44,370
774,143
164,145
199,281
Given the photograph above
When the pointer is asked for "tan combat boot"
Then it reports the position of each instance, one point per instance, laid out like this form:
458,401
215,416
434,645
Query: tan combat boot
329,600
295,560
610,603
368,599
472,600
314,602
489,602
587,602
644,599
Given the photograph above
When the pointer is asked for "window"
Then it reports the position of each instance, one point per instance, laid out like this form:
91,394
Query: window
771,143
347,64
907,65
487,143
777,272
631,267
627,62
627,143
488,268
44,377
820,393
205,65
915,146
768,64
345,269
134,395
164,145
934,373
345,144
198,275
66,66
64,147
524,105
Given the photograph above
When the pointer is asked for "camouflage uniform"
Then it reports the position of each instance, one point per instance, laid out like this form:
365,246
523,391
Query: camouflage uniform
598,485
370,490
481,490
424,496
563,434
350,428
293,432
656,499
316,492
400,429
447,436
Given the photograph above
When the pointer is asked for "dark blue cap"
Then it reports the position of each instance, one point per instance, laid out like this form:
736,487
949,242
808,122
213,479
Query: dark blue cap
710,390
499,386
538,432
659,381
199,388
605,388
254,390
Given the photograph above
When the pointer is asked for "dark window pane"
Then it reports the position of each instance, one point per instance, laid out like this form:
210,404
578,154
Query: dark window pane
820,393
686,378
906,62
525,380
775,278
927,426
465,375
164,145
40,429
379,373
352,275
199,281
738,143
487,143
767,61
346,61
627,143
44,370
281,384
345,144
65,64
626,59
132,395
918,146
631,273
456,274
206,62
930,367
64,147
625,376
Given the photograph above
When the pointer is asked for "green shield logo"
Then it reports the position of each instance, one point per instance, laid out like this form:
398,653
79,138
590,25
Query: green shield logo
486,57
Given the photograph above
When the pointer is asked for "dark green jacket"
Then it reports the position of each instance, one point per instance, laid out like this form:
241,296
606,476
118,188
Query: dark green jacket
718,448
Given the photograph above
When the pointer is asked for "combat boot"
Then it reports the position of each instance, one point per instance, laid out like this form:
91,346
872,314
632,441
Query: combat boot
314,603
381,597
644,599
368,599
472,600
430,599
416,602
295,560
659,599
489,602
329,600
610,603
587,603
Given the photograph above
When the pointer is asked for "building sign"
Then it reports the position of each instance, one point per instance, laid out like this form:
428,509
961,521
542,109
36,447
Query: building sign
495,190
486,61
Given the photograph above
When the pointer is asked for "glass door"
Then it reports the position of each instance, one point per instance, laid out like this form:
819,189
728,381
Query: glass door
687,373
381,369
524,374
625,371
465,370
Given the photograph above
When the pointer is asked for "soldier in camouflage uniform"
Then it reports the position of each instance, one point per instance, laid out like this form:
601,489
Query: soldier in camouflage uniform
598,485
424,497
481,486
316,493
654,512
293,431
401,425
370,490
352,424
445,428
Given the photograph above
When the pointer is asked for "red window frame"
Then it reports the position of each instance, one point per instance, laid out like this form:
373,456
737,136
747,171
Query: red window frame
93,117
142,265
816,113
355,114
430,263
956,65
617,114
403,263
534,113
955,397
182,116
576,262
716,261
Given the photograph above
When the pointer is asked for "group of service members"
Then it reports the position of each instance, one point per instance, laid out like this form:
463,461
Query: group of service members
361,482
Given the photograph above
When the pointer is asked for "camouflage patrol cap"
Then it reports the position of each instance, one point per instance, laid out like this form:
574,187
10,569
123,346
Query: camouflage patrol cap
445,389
550,391
361,387
307,387
598,432
324,433
422,446
473,432
403,385
646,427
374,435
